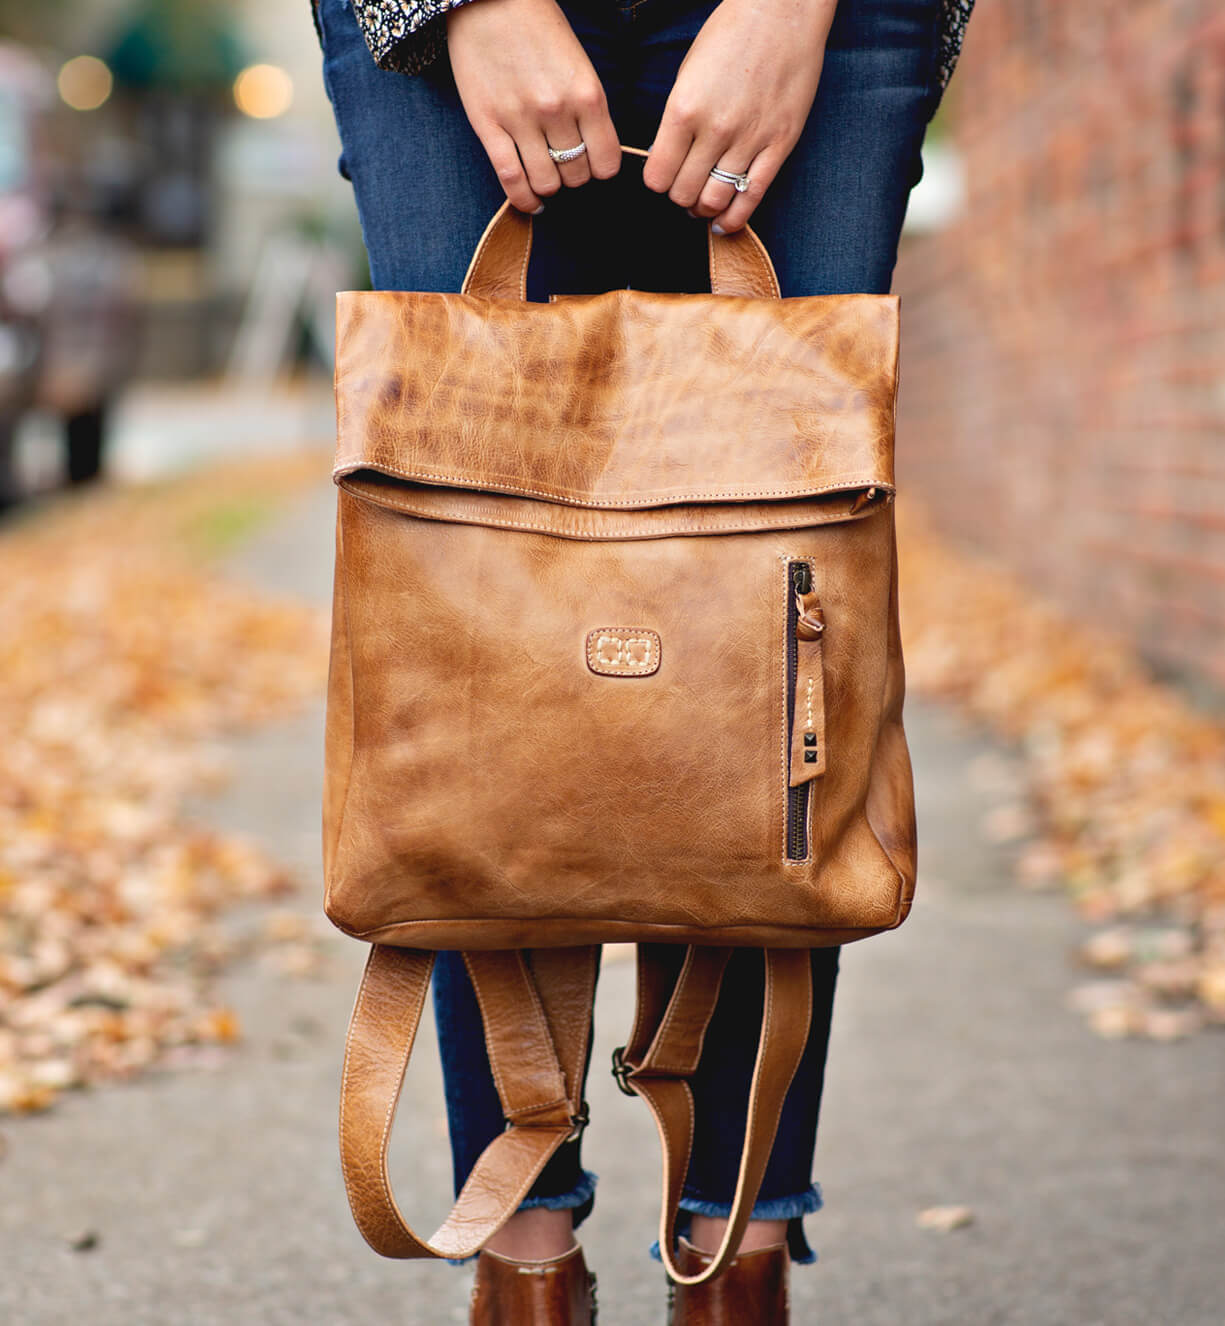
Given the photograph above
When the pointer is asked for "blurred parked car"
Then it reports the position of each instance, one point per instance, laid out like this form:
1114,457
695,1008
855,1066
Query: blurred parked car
67,311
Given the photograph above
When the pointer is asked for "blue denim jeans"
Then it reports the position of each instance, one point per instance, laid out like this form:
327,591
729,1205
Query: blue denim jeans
831,221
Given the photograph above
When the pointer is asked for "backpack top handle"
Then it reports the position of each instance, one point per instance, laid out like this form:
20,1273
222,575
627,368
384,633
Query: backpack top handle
739,263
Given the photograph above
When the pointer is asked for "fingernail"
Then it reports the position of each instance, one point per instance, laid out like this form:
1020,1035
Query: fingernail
693,214
717,228
538,211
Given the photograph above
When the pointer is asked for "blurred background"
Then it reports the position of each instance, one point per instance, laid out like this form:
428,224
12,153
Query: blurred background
170,213
1023,1118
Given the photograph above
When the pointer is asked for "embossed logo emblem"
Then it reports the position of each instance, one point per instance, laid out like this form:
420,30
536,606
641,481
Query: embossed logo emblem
623,651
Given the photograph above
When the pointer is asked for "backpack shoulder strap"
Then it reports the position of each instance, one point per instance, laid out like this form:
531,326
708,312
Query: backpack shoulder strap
536,1009
663,1053
536,1033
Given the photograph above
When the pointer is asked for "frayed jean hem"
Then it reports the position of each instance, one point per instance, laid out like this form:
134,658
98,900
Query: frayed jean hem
580,1199
791,1209
582,1194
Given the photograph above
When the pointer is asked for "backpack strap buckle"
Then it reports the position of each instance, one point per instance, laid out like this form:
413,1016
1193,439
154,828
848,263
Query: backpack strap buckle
621,1071
578,1121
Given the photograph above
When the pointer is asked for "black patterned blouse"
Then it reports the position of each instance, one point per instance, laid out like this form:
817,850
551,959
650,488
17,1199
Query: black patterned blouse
407,34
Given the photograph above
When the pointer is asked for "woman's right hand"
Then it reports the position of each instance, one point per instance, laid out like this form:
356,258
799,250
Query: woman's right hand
527,85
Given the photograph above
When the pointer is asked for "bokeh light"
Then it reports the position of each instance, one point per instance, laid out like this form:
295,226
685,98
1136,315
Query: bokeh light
85,83
263,91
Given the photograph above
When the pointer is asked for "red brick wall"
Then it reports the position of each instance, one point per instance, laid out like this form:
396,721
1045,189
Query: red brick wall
1063,399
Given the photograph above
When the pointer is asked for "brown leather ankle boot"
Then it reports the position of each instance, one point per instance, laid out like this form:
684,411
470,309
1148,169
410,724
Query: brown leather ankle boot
752,1291
558,1292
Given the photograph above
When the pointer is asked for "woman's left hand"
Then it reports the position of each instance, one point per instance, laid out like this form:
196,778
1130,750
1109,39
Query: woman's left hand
740,101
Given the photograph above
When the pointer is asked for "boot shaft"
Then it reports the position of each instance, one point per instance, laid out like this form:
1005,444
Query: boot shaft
558,1292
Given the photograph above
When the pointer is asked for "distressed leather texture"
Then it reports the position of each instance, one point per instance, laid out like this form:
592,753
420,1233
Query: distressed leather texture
618,401
615,657
514,476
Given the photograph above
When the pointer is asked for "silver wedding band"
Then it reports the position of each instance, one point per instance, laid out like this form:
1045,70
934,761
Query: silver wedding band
739,182
563,154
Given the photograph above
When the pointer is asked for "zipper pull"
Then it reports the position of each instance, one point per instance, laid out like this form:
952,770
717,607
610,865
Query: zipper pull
808,719
810,620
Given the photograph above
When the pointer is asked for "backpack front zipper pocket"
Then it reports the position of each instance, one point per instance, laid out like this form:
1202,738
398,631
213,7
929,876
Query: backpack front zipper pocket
805,703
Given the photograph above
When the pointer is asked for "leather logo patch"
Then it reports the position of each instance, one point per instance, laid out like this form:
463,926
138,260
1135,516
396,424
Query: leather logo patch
623,651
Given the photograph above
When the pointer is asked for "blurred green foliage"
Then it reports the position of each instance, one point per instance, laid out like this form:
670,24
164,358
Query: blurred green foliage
185,44
221,528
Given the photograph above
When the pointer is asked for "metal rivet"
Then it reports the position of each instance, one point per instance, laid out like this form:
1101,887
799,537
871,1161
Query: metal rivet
810,757
810,738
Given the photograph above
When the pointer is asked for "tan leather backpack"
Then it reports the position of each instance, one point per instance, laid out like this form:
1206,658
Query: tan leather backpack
615,657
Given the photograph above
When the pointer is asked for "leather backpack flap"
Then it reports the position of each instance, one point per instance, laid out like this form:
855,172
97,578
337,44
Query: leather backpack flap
577,691
622,400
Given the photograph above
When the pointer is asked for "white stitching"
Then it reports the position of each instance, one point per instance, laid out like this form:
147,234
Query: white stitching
384,1181
527,253
575,498
631,531
615,667
387,1122
657,929
661,1034
493,1065
534,996
342,579
775,288
667,1220
785,739
480,248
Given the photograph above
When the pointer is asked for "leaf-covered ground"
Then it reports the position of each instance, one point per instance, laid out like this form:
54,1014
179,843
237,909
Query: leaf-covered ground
1125,780
123,659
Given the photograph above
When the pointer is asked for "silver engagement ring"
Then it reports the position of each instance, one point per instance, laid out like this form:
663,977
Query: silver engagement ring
739,182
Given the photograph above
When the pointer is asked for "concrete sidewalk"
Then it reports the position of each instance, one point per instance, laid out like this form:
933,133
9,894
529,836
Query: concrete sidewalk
1094,1168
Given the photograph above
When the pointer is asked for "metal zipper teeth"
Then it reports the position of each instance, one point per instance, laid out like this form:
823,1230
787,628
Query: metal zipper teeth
797,797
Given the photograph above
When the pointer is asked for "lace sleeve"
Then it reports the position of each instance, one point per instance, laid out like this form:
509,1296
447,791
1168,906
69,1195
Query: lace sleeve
404,35
956,16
